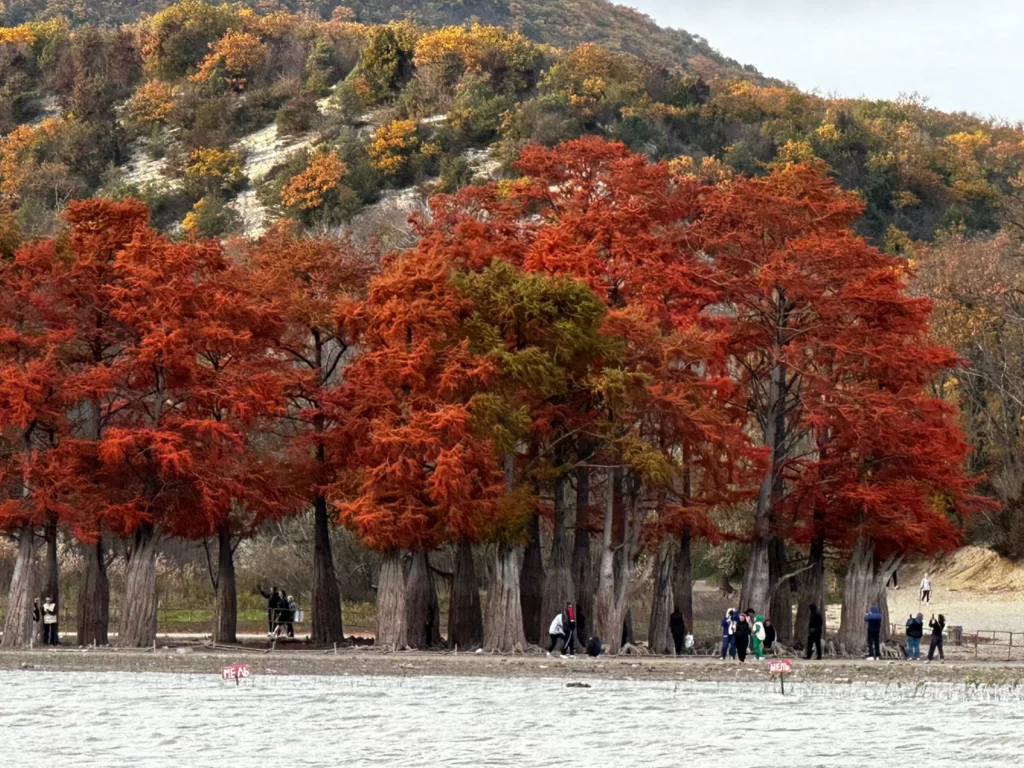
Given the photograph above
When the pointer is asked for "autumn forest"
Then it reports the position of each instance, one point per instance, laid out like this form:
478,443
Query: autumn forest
562,304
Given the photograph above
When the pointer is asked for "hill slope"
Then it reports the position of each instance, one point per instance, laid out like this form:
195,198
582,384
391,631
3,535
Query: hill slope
567,23
562,23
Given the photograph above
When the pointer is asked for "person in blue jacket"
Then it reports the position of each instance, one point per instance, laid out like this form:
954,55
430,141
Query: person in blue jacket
915,631
874,622
728,634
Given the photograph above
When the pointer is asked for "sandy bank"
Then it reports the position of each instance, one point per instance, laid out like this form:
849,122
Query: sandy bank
370,662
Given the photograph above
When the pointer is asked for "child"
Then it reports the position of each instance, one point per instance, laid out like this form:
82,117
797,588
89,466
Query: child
758,636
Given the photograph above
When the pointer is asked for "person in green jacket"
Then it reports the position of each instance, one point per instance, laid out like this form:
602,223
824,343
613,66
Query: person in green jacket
757,636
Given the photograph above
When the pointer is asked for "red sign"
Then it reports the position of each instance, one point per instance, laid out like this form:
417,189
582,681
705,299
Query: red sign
235,672
780,667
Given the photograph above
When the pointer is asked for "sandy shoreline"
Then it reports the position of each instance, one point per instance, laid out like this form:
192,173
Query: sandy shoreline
375,663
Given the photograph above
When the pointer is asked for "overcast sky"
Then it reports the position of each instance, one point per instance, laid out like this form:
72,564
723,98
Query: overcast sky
961,54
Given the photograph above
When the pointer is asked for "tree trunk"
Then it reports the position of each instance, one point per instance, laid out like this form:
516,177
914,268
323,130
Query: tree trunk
780,609
531,581
391,615
627,628
812,592
18,622
227,595
659,636
683,590
558,589
608,608
864,587
582,567
326,598
94,596
51,572
422,620
503,624
139,610
465,621
756,578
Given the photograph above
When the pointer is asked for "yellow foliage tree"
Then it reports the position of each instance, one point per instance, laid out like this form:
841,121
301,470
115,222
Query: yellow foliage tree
237,54
479,49
19,155
151,103
214,169
392,146
306,190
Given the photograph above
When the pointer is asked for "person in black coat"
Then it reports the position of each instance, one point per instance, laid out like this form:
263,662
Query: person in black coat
742,636
937,625
677,626
814,626
769,635
273,604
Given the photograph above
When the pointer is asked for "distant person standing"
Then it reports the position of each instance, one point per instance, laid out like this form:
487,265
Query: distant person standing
557,633
290,616
814,627
757,637
273,603
49,622
915,630
937,625
677,626
873,618
769,635
926,589
729,634
742,635
569,626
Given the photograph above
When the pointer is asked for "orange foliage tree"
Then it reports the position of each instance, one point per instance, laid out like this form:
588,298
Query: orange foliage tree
316,285
594,211
162,448
422,474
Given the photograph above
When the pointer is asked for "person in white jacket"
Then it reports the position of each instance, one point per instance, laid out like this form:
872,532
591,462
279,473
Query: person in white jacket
557,633
926,589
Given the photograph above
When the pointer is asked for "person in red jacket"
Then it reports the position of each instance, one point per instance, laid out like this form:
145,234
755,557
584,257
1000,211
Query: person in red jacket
569,627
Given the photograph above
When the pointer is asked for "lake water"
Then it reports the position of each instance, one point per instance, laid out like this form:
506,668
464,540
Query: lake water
181,721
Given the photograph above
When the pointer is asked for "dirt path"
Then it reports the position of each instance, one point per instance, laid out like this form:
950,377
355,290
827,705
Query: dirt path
369,662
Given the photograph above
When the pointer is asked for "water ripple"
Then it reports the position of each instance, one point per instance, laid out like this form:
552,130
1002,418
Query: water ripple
173,720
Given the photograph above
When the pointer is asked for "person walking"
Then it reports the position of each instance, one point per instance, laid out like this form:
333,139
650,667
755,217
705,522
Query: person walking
281,616
769,636
926,589
742,635
915,630
273,603
729,634
677,626
757,636
290,609
873,618
569,626
49,622
814,626
556,632
895,579
937,625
